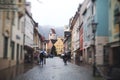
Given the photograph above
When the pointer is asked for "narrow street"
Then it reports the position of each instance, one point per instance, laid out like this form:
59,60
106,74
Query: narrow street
85,32
55,69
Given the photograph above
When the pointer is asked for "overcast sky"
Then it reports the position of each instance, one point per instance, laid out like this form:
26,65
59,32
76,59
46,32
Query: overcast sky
54,12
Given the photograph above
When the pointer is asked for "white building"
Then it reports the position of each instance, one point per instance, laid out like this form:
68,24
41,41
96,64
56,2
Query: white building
28,35
75,39
52,34
17,42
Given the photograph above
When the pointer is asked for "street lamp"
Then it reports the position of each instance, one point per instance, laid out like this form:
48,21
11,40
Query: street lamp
94,27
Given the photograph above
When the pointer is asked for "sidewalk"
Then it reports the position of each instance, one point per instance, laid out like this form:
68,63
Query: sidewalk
88,66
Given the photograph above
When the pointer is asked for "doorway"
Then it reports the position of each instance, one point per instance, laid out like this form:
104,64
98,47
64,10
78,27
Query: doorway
116,56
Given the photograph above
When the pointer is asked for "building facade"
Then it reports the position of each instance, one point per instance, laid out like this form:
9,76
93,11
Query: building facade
102,28
52,39
84,27
12,33
28,36
5,37
59,46
67,41
91,12
52,34
111,58
17,43
112,48
75,35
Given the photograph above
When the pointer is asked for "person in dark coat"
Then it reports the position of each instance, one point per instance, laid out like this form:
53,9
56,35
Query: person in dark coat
41,56
65,58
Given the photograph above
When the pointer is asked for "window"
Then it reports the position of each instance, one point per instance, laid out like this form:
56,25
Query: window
8,15
116,56
6,1
22,27
20,0
12,51
18,24
110,4
21,53
0,15
17,54
93,9
1,1
5,47
106,55
11,1
13,17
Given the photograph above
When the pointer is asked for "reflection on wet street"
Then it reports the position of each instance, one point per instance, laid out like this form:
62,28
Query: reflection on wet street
55,69
12,72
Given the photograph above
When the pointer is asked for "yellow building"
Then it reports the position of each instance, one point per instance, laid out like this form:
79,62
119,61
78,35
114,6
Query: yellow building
59,46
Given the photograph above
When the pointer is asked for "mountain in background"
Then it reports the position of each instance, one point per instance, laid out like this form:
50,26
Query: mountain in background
44,30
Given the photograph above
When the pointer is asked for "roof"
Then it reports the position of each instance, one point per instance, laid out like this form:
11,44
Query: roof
47,41
53,30
42,38
67,33
53,41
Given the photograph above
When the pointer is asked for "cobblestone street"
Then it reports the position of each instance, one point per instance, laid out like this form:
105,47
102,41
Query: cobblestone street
56,70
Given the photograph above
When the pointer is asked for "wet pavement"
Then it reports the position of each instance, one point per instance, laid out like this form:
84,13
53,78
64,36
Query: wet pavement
54,69
12,72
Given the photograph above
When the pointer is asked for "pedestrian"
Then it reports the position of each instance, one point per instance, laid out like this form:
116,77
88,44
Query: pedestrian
41,57
65,58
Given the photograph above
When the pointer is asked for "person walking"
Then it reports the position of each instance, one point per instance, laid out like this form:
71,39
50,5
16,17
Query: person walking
65,58
41,57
